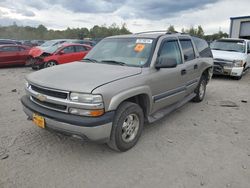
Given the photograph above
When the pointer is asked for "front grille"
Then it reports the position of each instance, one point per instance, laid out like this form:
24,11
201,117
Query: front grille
48,92
50,105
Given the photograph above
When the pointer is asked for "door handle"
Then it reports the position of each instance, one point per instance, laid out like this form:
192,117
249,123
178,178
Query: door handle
195,66
183,71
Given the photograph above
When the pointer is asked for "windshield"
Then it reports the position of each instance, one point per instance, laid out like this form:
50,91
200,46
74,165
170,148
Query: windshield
122,51
51,43
52,49
230,45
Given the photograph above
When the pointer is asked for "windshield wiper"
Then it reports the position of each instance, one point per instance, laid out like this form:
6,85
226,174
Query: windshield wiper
114,62
90,59
232,50
216,49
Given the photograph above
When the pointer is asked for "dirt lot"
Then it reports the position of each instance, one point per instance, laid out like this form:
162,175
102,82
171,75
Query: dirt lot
200,145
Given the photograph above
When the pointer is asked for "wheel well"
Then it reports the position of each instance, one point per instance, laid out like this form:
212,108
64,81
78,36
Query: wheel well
143,101
206,74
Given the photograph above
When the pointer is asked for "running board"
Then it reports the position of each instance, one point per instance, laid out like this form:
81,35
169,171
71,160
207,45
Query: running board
165,111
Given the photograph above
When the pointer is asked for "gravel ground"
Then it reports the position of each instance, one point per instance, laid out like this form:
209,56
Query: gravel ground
200,145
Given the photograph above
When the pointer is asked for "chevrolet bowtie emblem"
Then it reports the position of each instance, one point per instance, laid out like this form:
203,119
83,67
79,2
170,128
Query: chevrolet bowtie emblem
41,97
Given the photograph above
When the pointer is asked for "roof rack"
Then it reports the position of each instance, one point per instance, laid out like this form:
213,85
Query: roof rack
158,31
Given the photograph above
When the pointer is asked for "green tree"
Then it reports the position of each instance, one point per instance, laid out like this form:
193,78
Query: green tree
171,29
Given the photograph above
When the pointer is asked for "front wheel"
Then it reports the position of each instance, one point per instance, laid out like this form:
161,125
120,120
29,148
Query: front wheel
127,127
200,91
50,64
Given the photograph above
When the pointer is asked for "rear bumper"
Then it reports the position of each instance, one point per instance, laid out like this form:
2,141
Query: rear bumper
94,129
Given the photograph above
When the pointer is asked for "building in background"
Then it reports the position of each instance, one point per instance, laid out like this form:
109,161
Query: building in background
240,27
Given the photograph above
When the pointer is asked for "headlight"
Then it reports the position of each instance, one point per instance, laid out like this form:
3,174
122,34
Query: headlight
238,63
86,98
84,112
27,85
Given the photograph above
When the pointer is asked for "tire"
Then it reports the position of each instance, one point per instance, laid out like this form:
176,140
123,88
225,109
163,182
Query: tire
50,64
200,91
37,67
127,127
238,77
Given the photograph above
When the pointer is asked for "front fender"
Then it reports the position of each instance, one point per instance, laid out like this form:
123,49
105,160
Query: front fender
122,96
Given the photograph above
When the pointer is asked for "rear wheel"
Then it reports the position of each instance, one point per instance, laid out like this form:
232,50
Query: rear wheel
50,64
200,91
127,127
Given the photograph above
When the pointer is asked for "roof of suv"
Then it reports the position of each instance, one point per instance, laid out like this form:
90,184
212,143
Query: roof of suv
152,34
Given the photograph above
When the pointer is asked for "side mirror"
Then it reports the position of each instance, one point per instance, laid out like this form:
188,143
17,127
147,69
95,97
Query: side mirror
164,62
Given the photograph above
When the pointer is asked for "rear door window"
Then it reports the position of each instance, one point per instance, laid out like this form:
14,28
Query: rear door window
188,49
10,49
68,50
80,49
22,49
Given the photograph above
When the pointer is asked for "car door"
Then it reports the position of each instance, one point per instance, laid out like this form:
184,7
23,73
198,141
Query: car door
23,55
168,84
191,61
9,55
66,54
81,51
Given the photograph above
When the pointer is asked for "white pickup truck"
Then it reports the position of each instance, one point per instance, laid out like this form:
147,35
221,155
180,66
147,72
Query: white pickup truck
231,56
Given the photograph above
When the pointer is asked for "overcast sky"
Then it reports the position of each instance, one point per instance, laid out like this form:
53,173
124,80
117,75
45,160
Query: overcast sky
139,15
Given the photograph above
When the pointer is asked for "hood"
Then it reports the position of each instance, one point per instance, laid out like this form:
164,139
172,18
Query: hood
226,55
38,51
81,76
35,52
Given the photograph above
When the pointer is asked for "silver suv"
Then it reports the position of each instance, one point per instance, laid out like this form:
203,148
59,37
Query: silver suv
122,83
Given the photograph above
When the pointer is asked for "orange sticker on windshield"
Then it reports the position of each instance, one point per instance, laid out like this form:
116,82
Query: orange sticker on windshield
139,47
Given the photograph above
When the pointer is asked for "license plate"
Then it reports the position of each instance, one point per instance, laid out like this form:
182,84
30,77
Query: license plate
39,120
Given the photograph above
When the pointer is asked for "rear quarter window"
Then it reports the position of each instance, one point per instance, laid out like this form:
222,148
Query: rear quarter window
202,47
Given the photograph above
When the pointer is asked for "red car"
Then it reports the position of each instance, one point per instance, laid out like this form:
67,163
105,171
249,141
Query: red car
59,54
12,54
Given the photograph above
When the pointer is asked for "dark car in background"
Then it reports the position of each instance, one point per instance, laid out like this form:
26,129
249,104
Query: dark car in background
9,41
87,42
32,43
13,54
64,53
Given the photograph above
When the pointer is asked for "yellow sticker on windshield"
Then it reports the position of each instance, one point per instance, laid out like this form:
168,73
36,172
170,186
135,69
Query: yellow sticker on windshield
139,47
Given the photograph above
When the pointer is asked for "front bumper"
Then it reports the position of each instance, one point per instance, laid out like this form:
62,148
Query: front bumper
34,61
230,71
95,129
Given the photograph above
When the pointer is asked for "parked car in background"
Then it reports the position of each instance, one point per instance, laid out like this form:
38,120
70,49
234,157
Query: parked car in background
37,42
231,56
87,42
12,54
9,41
65,53
27,43
49,46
